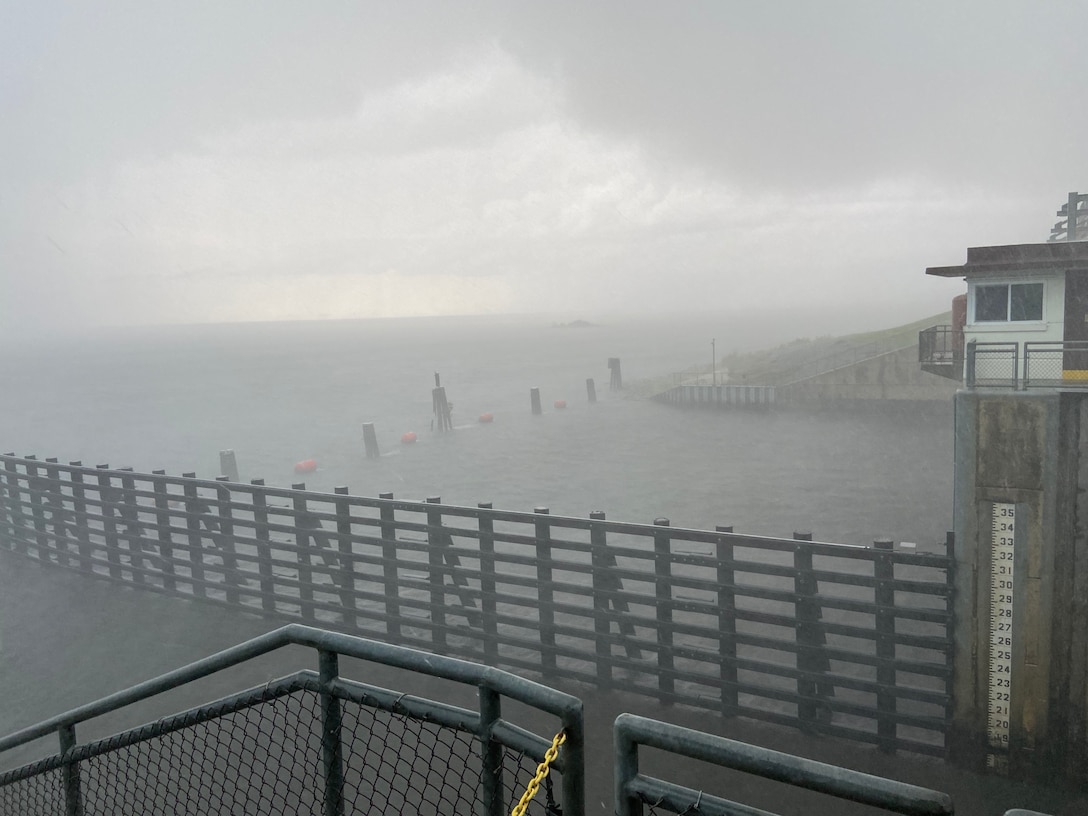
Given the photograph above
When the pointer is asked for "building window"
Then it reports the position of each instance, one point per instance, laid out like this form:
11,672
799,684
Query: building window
1008,302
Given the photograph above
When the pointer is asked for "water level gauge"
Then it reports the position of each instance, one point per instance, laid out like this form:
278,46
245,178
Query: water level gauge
1000,663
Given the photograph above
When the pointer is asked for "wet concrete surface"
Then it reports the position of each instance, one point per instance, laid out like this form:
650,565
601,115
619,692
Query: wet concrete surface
66,640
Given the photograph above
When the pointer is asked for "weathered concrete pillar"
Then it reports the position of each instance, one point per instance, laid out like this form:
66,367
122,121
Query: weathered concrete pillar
1021,641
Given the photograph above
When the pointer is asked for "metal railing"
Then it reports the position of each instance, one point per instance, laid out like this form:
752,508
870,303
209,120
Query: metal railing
992,365
636,791
845,640
1061,364
941,345
720,396
308,742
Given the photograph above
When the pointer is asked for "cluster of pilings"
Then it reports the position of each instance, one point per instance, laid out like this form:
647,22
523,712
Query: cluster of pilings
443,415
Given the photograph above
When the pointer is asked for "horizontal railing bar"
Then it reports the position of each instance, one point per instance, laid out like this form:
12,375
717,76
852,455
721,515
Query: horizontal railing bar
542,697
420,708
230,704
555,521
678,799
854,786
331,587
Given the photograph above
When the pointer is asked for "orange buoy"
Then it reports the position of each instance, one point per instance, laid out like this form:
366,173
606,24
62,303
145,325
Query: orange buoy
306,466
488,417
560,404
408,438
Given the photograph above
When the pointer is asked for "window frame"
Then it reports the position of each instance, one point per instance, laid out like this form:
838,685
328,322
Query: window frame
1008,320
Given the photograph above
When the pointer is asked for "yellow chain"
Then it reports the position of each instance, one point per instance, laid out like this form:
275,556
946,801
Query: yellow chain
541,774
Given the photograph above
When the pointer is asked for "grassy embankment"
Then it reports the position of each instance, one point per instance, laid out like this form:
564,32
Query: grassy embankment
793,360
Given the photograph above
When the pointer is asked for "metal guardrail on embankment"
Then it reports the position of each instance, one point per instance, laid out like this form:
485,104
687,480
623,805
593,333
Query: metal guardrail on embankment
310,742
719,396
843,640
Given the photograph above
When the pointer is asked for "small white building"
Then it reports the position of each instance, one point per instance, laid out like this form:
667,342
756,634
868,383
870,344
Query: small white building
1026,318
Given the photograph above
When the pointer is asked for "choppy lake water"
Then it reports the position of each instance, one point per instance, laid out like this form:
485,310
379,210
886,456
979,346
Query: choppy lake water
279,393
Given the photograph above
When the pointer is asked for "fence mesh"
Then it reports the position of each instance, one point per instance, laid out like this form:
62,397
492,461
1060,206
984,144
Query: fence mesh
267,759
37,795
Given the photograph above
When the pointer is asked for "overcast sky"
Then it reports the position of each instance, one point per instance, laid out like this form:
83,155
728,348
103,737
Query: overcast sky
216,161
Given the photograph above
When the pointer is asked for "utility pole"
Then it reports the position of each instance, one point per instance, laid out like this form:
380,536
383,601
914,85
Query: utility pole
713,364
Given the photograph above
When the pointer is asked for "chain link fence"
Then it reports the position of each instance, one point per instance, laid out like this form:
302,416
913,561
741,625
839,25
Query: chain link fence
308,743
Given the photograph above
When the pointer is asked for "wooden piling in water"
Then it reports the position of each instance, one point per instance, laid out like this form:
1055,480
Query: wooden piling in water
228,465
591,390
370,441
616,383
534,399
442,410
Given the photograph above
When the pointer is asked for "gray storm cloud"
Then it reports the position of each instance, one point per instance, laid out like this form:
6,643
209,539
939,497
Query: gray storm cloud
267,162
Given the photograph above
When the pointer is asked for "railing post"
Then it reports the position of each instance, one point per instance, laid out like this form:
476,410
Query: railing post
79,511
332,758
196,540
15,507
727,623
1015,366
437,573
264,546
35,489
491,754
969,368
545,601
58,515
346,570
231,576
609,585
5,510
133,532
626,769
163,525
389,569
109,523
488,589
302,555
884,595
603,583
73,795
810,636
666,680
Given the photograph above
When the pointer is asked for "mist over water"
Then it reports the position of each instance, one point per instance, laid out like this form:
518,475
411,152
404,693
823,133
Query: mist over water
278,393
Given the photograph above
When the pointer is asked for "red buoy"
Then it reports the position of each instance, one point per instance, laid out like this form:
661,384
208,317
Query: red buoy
560,404
488,417
306,466
408,438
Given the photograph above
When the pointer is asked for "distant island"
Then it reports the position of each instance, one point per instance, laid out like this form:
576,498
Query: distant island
576,324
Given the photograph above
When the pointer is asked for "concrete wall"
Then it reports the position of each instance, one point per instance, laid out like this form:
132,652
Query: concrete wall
1027,449
892,376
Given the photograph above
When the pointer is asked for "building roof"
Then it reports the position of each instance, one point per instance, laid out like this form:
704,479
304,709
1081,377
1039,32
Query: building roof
1059,256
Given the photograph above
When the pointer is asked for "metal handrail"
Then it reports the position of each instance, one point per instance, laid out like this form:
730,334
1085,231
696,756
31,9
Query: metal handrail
1035,354
492,684
1004,351
634,788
